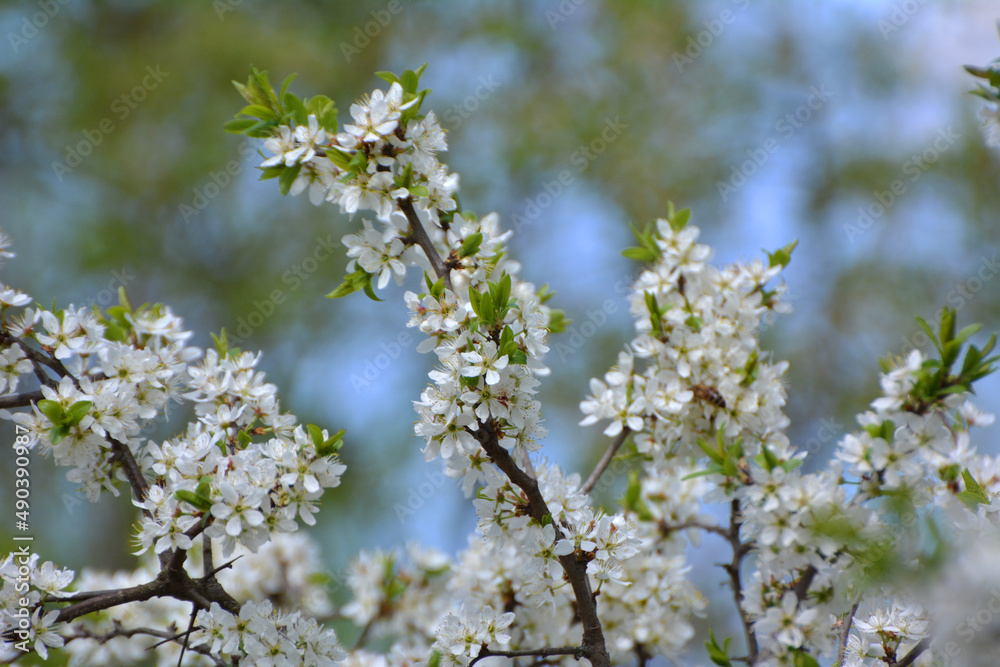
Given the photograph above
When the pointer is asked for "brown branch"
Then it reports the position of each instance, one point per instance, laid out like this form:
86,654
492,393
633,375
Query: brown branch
740,550
169,583
575,651
801,587
593,648
914,653
605,461
419,235
207,565
845,633
668,528
121,631
123,455
108,599
21,400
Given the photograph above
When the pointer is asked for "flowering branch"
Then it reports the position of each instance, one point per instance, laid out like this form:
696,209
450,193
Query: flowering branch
576,572
605,461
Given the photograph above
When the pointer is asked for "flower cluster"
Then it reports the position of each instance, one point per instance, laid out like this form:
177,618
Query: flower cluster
709,401
697,336
26,586
488,330
242,471
262,636
285,570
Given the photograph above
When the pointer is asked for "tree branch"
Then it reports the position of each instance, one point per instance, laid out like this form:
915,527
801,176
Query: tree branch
122,454
121,631
845,633
605,461
108,599
419,235
801,587
740,550
914,653
21,400
709,528
575,651
593,647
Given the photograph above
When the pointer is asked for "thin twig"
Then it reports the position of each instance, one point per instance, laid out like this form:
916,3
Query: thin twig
684,525
914,653
844,634
605,461
575,651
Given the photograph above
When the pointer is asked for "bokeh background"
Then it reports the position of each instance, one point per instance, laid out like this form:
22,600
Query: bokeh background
773,121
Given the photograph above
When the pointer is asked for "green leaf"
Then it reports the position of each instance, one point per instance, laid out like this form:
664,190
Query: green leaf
930,332
783,255
77,412
261,90
968,332
257,111
418,191
640,254
718,654
284,85
296,109
239,125
633,491
470,246
358,163
475,297
58,433
973,494
204,489
503,292
332,444
409,81
369,292
557,321
679,220
316,433
803,659
344,289
339,158
52,410
947,332
388,77
711,470
488,313
193,499
243,440
766,459
243,91
288,177
261,130
405,179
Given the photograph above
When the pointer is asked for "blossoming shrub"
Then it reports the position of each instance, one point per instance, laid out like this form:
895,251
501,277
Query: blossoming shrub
824,564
